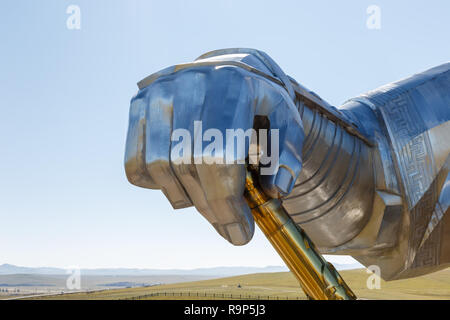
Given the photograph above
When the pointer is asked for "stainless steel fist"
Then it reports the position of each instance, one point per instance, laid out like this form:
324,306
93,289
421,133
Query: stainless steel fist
190,132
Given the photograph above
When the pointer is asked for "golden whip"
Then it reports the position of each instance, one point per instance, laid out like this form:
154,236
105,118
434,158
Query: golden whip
318,278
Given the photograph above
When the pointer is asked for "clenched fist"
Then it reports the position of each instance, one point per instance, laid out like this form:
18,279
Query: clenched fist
193,126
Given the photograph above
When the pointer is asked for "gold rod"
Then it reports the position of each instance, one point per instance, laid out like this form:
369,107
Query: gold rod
318,278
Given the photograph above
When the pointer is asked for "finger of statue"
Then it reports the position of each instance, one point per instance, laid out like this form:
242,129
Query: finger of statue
158,140
135,166
282,163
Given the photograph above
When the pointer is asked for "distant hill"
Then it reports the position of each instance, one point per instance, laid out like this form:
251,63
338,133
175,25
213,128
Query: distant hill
12,269
8,269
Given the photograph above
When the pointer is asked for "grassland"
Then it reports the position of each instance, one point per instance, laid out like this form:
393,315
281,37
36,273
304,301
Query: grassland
279,286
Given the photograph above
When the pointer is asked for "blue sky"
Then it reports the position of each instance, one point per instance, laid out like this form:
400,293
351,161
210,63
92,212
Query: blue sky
64,100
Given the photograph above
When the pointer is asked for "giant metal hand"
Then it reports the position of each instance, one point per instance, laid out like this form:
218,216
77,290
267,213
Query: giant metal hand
370,179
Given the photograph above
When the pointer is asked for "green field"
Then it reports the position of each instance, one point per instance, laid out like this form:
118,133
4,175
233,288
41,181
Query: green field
277,286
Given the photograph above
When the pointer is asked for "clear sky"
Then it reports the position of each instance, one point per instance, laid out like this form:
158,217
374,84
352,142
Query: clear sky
64,101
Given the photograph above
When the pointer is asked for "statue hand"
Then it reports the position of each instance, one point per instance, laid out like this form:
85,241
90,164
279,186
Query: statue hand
179,140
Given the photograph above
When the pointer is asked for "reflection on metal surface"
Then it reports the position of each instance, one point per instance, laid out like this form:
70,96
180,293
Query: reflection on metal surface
318,278
368,179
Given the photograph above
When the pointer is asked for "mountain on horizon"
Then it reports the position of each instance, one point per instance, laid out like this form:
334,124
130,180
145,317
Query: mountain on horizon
6,269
